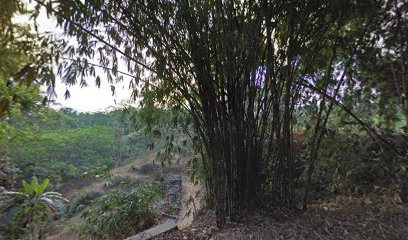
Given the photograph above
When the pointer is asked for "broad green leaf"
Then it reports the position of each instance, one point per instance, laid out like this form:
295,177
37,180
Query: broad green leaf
27,188
34,183
42,187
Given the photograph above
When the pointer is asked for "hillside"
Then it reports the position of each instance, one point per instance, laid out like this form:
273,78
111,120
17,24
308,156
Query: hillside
139,172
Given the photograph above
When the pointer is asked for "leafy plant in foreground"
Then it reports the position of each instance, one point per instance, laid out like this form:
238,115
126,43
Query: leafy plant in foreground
121,214
33,207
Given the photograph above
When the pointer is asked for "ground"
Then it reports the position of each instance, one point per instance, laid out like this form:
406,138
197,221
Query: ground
191,203
348,218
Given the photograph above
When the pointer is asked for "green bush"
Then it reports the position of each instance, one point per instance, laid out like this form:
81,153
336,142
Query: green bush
354,164
81,200
118,215
8,173
119,182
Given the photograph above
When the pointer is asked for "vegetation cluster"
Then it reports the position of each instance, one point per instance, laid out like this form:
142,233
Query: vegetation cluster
277,104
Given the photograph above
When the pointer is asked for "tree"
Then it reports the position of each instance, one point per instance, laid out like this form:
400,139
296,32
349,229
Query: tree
240,68
50,144
383,64
25,60
25,63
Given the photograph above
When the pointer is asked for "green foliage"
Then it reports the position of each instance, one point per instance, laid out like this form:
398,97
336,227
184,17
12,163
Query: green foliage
382,67
81,200
238,67
34,189
241,69
118,215
47,144
118,182
354,164
98,172
25,60
8,173
32,207
62,145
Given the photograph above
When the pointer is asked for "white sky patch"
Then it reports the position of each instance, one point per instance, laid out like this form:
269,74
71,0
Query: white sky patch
86,99
91,98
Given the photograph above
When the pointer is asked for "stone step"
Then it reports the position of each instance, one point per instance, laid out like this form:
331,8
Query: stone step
154,231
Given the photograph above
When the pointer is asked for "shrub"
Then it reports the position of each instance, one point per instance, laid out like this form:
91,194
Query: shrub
118,215
354,164
148,169
81,200
8,172
98,172
118,182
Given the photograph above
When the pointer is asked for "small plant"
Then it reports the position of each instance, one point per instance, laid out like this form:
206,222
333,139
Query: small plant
81,200
98,172
118,215
32,207
118,182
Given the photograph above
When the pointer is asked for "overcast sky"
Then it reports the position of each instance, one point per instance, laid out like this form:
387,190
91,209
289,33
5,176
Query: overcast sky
87,99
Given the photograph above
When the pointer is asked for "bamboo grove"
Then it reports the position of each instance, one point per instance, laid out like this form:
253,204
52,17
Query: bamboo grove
240,68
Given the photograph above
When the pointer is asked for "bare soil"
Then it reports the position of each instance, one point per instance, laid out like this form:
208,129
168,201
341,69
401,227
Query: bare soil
348,219
191,203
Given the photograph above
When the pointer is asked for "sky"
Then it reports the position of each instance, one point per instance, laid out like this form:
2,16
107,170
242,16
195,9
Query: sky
86,99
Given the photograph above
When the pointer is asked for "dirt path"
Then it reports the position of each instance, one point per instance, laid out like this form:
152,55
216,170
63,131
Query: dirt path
191,203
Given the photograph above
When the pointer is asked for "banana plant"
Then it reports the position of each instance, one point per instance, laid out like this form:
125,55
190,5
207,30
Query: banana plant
34,203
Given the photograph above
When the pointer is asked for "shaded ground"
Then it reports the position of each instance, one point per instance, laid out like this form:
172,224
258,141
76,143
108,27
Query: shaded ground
191,203
346,220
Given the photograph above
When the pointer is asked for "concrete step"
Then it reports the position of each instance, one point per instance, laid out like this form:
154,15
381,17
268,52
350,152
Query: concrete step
154,231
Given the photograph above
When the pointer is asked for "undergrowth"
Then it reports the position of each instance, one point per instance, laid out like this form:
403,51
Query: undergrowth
356,165
118,215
